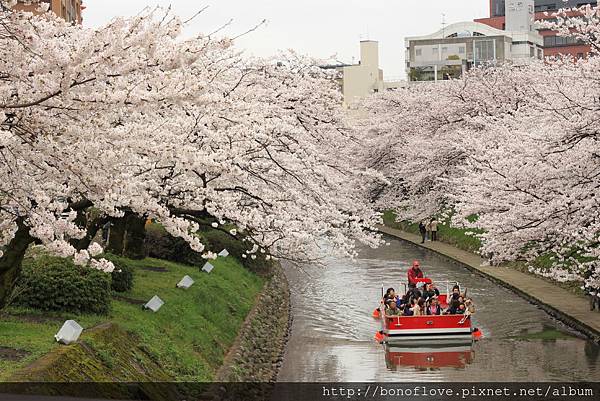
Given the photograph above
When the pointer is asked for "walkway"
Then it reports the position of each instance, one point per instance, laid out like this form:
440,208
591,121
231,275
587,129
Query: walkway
570,308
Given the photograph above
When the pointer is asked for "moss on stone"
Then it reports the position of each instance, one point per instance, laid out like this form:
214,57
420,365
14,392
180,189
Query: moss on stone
105,354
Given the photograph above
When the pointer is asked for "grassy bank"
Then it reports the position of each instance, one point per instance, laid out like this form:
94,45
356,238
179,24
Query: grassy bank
187,338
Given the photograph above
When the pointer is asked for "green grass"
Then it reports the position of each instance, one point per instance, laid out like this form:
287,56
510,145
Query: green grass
547,334
188,337
446,233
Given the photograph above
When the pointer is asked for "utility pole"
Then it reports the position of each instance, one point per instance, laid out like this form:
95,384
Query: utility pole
443,25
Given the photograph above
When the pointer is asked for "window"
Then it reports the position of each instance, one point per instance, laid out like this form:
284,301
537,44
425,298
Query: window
435,51
540,54
498,8
461,50
552,41
545,7
444,50
549,41
485,50
418,52
580,55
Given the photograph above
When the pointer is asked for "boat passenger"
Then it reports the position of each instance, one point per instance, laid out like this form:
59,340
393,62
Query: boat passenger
392,309
430,292
454,306
408,309
434,308
413,292
414,273
461,309
391,295
469,306
419,308
455,292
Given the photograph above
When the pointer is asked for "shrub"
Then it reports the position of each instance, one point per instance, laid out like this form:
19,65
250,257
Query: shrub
122,276
57,284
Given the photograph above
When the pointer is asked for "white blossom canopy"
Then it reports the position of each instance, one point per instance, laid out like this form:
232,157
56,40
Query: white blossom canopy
511,150
131,117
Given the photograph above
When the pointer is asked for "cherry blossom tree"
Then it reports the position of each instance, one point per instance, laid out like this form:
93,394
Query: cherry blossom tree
510,150
132,120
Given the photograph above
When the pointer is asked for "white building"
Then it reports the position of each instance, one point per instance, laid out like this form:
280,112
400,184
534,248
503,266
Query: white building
454,49
362,79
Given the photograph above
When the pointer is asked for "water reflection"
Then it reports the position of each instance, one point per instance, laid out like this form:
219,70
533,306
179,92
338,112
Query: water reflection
332,331
428,356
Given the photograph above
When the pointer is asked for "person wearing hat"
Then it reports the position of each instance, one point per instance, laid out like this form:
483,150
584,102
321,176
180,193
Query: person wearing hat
414,273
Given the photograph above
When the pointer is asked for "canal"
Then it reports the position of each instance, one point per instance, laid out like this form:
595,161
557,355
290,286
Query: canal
332,331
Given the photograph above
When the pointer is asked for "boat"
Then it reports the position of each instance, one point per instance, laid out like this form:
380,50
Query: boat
443,329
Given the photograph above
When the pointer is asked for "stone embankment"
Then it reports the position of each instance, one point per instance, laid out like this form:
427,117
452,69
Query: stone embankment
257,354
253,362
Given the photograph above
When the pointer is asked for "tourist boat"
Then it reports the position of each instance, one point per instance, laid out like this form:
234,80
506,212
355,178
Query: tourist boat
443,329
429,356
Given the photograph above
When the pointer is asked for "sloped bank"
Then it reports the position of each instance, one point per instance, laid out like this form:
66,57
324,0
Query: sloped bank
99,366
111,354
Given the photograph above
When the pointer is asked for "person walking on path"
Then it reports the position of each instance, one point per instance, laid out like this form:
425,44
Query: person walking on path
434,228
428,231
423,231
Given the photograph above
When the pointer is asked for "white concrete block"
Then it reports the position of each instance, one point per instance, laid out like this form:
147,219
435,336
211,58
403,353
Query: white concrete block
69,332
207,267
154,304
186,282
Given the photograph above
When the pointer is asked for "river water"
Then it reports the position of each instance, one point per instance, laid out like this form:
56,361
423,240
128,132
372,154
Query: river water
332,331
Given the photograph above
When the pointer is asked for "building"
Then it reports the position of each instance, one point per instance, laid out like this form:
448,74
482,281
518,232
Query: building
451,51
69,10
362,79
543,9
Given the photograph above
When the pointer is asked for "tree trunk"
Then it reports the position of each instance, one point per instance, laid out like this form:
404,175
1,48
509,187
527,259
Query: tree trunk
10,262
92,228
135,235
116,236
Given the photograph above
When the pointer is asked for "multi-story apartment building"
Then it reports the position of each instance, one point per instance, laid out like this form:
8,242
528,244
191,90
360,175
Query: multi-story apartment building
543,9
69,10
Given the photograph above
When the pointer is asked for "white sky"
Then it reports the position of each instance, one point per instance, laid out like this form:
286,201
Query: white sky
319,28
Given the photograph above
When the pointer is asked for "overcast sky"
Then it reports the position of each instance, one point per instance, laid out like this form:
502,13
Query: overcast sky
319,28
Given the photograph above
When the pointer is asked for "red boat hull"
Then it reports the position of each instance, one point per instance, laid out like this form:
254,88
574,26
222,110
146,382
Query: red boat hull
440,327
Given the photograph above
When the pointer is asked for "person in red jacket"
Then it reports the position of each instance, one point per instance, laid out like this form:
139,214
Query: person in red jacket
414,273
